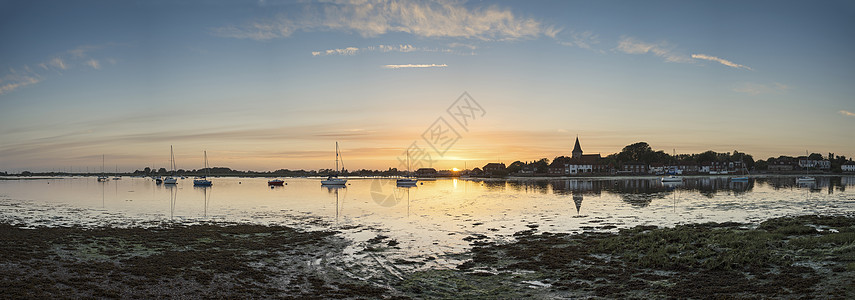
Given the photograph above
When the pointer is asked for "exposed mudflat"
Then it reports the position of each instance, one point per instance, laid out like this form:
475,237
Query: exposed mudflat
790,257
801,257
198,261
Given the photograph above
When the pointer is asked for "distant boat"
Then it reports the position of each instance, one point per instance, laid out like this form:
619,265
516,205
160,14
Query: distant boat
672,178
158,180
805,179
203,181
407,181
743,178
102,177
333,179
117,174
276,182
170,179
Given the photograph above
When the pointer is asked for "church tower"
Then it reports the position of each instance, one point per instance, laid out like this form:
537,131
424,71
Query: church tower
577,150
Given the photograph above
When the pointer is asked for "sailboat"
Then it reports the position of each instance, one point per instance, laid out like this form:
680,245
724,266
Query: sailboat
806,179
203,181
333,179
117,174
743,178
102,177
407,181
170,179
672,178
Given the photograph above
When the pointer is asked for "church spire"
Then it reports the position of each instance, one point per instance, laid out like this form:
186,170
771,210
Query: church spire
577,150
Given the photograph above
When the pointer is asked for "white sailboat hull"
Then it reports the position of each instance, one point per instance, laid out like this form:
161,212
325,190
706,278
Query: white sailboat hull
406,181
334,181
672,179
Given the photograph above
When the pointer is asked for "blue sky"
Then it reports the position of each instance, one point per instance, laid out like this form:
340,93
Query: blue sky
273,84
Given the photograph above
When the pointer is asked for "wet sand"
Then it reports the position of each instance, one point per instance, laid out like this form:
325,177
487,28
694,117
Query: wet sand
793,257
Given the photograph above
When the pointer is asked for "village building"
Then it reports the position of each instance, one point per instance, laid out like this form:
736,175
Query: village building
781,164
806,163
495,169
577,163
849,166
633,168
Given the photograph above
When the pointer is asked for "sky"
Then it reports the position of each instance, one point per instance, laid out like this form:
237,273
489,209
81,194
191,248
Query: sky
267,85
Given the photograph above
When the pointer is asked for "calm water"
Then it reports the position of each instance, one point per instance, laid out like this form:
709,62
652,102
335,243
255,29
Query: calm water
430,219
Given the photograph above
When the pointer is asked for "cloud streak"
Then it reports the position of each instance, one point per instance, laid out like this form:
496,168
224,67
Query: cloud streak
14,81
371,18
584,40
414,66
403,48
847,113
68,60
630,45
94,64
721,61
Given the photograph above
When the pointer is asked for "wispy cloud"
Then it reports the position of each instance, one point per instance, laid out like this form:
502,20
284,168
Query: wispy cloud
443,18
757,89
58,63
721,61
379,48
415,66
13,81
662,49
342,51
847,113
25,76
584,40
94,64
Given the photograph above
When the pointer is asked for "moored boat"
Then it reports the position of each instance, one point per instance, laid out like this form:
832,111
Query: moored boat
333,179
170,179
672,178
203,180
407,181
805,179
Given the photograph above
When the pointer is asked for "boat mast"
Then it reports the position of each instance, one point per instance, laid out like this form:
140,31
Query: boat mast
336,158
172,160
206,163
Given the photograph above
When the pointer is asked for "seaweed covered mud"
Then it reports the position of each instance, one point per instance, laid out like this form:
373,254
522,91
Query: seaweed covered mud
196,261
789,257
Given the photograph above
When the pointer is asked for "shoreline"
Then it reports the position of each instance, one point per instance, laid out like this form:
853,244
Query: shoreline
786,257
